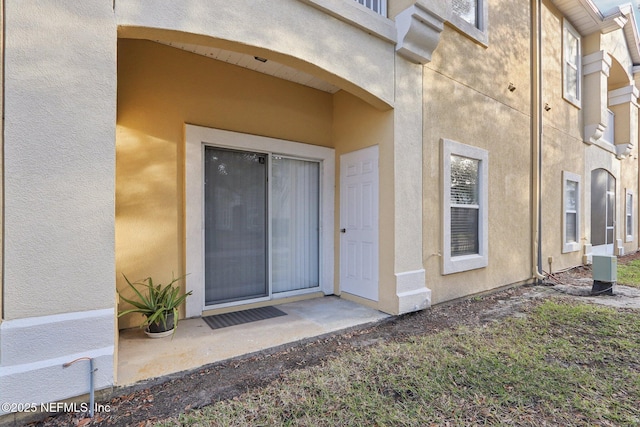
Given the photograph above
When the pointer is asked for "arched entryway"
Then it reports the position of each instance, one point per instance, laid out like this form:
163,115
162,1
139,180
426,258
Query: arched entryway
603,211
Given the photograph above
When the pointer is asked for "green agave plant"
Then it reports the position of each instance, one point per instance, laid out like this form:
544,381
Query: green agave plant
159,301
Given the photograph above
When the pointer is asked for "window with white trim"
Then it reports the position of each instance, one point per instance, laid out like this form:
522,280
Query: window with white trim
571,208
470,17
628,216
465,196
378,6
572,64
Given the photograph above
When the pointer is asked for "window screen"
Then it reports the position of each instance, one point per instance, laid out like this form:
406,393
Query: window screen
572,64
464,206
629,215
571,212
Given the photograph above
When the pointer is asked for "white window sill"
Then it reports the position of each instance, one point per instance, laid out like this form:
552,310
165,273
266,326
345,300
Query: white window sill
359,16
605,145
464,263
575,102
570,247
482,37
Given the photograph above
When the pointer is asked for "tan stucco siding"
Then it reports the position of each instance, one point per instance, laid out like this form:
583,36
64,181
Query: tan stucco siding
616,45
291,32
504,133
59,98
562,146
489,70
561,152
467,99
161,88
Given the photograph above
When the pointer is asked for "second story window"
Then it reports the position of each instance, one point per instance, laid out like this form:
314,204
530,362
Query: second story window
378,6
572,64
467,10
470,17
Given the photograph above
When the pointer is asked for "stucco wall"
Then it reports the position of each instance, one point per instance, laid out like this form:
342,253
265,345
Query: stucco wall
563,134
467,100
159,89
503,130
563,149
59,157
291,31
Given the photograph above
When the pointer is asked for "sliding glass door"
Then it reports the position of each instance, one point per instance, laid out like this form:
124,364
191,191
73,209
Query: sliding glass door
261,225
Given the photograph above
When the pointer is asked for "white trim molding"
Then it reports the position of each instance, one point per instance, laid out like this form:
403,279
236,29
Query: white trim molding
624,95
567,32
595,71
575,245
624,103
195,138
629,202
411,291
419,27
33,350
455,264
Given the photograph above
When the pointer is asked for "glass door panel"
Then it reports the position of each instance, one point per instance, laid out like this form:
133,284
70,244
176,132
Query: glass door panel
235,226
295,196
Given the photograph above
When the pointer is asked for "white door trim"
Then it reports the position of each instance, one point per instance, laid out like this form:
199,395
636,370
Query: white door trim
195,138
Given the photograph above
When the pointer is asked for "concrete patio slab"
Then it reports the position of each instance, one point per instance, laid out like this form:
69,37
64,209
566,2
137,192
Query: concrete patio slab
195,344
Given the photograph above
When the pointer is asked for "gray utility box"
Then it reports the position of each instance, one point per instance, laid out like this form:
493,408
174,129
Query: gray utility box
605,274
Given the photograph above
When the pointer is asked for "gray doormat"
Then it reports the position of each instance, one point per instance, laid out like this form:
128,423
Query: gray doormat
245,316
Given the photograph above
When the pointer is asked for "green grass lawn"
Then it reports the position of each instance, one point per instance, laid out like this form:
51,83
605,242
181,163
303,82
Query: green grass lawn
629,274
564,364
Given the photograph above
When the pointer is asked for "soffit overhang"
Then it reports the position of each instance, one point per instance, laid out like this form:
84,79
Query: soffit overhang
587,19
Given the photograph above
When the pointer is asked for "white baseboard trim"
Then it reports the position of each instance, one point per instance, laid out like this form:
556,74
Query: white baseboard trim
33,351
35,339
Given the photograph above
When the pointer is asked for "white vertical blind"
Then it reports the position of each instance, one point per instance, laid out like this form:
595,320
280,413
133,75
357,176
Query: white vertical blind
295,196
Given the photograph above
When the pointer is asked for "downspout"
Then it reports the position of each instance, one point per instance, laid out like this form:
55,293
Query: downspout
536,139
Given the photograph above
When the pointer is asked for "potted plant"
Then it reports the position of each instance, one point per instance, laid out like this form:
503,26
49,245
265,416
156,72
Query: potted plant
159,306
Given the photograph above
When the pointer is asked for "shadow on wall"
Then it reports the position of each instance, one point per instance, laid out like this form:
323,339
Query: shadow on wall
161,88
468,100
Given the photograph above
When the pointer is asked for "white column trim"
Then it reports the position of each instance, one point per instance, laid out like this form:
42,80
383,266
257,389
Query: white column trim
624,95
597,62
411,291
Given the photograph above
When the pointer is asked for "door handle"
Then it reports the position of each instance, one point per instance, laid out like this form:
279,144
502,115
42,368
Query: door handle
343,230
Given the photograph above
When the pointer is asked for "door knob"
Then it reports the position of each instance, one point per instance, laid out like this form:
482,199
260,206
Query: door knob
343,230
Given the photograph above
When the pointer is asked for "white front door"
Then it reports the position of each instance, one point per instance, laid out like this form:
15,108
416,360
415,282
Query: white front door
359,223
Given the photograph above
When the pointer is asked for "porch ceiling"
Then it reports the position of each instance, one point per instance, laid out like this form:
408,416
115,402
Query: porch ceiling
250,62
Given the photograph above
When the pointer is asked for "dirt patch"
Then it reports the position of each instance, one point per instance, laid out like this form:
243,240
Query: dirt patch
145,403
